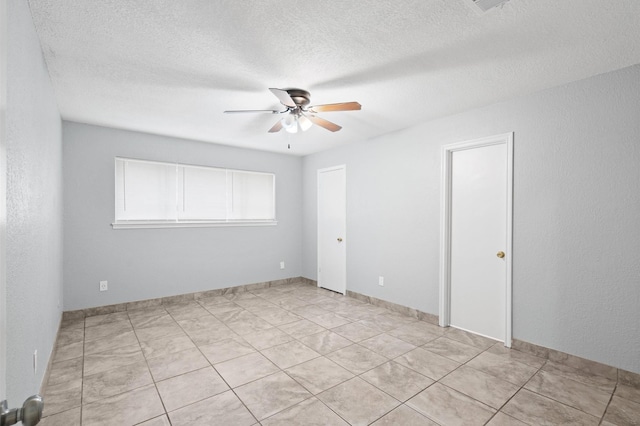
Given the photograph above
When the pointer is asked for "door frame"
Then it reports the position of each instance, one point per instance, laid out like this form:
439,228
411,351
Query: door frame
344,182
3,196
445,227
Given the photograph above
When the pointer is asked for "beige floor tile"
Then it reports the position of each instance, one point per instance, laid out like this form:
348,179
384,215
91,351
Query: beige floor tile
355,332
326,342
166,345
213,300
628,392
159,331
416,335
188,388
470,338
289,354
139,315
66,418
449,407
226,349
427,363
212,335
70,335
387,345
569,392
280,317
176,363
502,368
602,383
127,408
186,310
220,410
116,349
114,358
302,328
393,320
398,381
115,381
309,311
70,351
480,386
310,412
244,369
267,338
109,329
231,312
158,421
319,374
289,302
194,325
65,371
162,319
356,313
128,338
77,323
358,402
535,409
501,419
452,349
376,324
591,368
404,416
271,394
63,396
222,310
248,326
356,358
623,412
522,357
330,320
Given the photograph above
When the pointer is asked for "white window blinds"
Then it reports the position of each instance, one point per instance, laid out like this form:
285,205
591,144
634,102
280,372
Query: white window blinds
164,193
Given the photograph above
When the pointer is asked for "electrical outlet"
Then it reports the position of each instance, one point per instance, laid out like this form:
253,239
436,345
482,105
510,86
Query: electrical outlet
282,265
381,281
104,286
35,362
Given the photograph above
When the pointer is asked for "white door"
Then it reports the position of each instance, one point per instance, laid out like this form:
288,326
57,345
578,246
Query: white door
479,222
332,245
3,195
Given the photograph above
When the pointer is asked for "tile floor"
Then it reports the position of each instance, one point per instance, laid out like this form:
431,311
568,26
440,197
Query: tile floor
298,355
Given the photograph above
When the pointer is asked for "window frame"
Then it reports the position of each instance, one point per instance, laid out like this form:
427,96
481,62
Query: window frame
186,223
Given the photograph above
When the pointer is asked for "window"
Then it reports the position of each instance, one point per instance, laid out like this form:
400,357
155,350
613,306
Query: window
152,194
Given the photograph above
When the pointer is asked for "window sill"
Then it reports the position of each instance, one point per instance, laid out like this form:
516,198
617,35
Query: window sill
187,224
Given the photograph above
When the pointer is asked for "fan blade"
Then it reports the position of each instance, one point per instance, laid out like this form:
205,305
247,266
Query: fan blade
276,127
332,127
344,106
241,111
284,97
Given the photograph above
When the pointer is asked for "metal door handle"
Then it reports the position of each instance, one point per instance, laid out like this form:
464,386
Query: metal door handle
29,414
500,254
339,239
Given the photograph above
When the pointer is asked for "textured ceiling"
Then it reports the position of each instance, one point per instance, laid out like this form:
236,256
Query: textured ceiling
171,67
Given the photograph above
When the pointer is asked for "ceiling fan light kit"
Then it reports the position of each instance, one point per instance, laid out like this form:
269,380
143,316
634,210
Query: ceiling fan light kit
298,115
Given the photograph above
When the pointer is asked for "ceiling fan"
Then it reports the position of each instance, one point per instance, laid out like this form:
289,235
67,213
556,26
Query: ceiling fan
298,115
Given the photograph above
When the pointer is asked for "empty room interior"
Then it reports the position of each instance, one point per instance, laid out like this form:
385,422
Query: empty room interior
320,213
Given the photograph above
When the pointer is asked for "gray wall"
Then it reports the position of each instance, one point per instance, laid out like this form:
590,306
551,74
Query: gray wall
148,263
576,271
34,207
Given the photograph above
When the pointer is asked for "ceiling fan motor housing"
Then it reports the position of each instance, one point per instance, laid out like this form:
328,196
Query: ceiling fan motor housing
299,96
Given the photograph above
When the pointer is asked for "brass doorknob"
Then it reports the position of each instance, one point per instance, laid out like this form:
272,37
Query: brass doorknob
339,240
500,254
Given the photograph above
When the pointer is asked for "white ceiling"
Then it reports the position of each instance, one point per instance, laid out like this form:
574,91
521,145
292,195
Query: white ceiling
171,67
